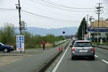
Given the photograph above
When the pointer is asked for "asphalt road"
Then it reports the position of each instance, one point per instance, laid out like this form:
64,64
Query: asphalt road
30,61
100,64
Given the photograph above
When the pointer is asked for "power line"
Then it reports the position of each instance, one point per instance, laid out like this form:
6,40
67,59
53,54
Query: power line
73,9
45,16
37,15
52,3
61,8
6,9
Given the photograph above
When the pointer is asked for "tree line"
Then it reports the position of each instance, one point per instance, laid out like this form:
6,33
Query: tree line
8,37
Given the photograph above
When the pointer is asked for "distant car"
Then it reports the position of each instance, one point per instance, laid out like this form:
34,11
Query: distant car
5,48
73,42
83,48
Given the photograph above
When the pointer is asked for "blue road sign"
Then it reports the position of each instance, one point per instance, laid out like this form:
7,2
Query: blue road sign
20,42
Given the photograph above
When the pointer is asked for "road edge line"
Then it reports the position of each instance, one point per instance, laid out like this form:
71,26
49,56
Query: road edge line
43,68
57,65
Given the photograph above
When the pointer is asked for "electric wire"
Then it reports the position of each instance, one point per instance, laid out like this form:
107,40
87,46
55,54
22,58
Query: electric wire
36,14
50,2
61,8
6,9
46,16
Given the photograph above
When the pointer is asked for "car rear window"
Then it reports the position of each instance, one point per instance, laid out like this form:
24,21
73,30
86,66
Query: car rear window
82,44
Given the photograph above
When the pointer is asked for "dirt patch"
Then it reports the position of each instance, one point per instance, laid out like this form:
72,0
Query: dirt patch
9,59
48,45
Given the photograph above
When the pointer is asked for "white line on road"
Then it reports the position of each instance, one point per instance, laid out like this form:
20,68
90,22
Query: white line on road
96,56
54,70
104,61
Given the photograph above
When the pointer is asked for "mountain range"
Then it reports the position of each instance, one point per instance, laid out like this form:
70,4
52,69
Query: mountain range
54,31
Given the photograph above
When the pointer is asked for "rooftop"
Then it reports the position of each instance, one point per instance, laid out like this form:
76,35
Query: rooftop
101,24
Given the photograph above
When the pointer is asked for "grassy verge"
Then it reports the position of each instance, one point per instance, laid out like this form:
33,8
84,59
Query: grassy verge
48,45
104,43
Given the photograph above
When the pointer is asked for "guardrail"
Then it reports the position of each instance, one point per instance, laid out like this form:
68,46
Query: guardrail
60,42
52,60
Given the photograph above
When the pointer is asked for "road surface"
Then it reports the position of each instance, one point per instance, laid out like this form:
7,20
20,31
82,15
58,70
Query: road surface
100,64
31,61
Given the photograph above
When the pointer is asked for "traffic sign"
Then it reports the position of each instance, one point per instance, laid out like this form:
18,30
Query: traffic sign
20,42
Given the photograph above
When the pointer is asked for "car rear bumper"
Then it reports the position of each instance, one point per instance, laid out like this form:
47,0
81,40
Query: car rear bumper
83,54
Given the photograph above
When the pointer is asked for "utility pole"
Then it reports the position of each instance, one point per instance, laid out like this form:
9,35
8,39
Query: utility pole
18,6
98,12
87,25
91,18
87,19
91,24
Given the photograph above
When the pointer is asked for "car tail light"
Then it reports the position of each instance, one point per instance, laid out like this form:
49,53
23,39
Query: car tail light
73,49
92,49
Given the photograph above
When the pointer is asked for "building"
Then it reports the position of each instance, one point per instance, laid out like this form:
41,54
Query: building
103,30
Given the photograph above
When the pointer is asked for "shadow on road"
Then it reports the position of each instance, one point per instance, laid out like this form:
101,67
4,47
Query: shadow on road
84,58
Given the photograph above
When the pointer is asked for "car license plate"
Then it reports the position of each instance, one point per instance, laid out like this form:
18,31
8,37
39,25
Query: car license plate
83,50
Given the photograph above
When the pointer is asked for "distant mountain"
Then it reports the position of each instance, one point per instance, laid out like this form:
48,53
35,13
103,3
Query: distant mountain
54,31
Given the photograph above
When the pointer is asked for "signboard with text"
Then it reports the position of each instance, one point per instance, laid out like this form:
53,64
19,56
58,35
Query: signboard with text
20,42
100,30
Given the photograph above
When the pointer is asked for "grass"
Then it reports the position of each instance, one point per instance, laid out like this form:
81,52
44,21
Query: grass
49,45
97,43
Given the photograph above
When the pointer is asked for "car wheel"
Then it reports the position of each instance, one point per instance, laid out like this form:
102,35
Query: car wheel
73,58
92,58
6,50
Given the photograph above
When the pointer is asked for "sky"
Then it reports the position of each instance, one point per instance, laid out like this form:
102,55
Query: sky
50,13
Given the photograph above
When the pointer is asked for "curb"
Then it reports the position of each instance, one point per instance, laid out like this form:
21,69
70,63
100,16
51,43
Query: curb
44,68
101,47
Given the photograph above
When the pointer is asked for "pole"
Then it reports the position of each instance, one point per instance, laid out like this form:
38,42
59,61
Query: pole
82,33
87,19
19,11
91,24
98,10
87,25
98,22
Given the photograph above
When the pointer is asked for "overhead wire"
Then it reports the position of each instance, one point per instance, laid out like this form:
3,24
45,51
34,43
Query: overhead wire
66,9
6,9
61,8
46,16
50,2
42,15
36,14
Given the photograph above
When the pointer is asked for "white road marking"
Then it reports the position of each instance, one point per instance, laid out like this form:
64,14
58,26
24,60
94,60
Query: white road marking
105,61
96,56
57,65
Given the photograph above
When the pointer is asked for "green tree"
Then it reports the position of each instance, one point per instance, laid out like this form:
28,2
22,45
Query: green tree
8,34
82,29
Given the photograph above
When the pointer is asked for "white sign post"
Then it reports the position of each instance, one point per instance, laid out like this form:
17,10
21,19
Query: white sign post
20,43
